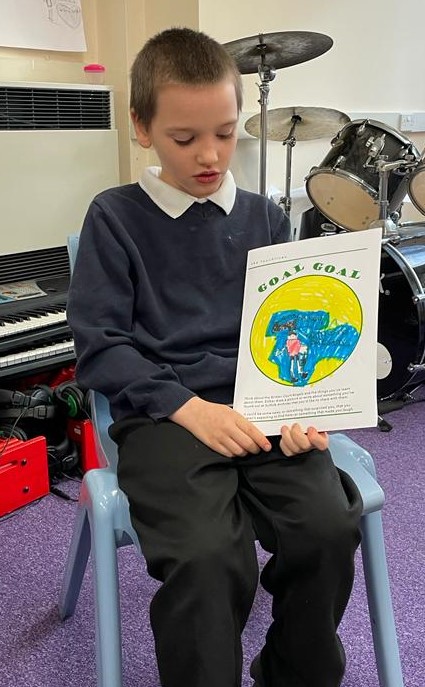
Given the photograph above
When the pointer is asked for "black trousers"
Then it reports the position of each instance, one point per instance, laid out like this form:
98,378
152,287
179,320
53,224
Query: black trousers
198,514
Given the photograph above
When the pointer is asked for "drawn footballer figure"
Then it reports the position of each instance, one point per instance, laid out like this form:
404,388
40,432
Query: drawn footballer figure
303,338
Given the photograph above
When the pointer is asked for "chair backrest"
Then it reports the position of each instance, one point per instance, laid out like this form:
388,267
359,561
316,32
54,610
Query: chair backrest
107,453
72,243
106,449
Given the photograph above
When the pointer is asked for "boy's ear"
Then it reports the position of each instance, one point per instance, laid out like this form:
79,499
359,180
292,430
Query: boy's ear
142,134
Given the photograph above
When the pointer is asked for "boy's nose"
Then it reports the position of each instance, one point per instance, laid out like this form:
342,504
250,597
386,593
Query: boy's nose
207,155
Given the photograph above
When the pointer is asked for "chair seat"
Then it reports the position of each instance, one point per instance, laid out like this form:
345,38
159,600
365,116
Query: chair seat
351,458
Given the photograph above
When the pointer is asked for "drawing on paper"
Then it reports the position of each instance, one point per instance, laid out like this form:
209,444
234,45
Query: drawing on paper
64,11
305,330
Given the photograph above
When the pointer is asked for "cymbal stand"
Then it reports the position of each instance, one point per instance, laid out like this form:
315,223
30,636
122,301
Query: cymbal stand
289,142
266,74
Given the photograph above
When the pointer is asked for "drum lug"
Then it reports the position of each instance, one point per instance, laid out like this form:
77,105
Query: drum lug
337,140
418,298
362,127
395,239
413,367
407,155
339,162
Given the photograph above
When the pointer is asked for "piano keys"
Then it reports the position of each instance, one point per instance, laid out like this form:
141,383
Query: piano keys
29,357
31,320
34,334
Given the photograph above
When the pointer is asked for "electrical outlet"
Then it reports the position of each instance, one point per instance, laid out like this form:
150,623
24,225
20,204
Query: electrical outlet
418,121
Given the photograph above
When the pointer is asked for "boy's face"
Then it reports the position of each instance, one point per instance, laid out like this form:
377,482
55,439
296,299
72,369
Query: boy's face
194,133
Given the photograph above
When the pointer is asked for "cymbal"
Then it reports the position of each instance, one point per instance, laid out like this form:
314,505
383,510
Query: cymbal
315,122
280,49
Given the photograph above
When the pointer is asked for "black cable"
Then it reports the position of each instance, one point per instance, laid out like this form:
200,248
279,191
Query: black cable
71,479
53,490
62,494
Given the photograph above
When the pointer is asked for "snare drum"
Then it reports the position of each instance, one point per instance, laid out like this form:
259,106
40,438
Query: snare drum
345,186
401,321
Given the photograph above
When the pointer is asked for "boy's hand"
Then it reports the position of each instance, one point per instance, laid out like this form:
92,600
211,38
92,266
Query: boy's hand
295,441
221,428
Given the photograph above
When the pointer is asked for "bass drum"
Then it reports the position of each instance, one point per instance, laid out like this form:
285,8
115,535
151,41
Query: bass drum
401,321
345,186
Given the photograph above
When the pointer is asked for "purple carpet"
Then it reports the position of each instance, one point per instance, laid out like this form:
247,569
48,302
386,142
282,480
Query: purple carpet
38,650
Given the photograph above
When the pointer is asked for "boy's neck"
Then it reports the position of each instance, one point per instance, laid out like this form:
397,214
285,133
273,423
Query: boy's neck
175,202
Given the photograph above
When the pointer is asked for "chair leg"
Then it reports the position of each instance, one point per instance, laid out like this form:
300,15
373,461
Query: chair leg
380,602
76,564
106,589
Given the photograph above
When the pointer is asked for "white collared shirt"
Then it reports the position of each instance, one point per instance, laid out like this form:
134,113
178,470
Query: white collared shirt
175,202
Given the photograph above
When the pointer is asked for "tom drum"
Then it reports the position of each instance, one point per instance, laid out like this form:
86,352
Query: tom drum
345,186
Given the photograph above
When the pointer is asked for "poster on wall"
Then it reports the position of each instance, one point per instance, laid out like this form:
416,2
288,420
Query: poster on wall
308,343
42,25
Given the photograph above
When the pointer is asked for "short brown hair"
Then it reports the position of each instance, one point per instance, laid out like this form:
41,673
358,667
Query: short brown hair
178,55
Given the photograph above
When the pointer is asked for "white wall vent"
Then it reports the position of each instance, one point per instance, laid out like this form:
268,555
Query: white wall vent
58,149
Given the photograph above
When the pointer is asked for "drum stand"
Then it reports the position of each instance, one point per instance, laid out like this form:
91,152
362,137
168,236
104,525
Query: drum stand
391,404
266,74
289,142
389,228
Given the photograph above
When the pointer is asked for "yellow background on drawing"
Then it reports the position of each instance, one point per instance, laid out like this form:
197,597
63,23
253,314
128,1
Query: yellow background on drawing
313,292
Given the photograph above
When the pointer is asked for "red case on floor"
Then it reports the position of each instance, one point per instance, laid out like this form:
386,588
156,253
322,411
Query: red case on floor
24,473
81,431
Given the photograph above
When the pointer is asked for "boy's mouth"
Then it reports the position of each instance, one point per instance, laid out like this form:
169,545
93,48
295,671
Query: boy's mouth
207,177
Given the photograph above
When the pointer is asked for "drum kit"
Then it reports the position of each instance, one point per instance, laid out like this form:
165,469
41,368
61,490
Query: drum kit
361,183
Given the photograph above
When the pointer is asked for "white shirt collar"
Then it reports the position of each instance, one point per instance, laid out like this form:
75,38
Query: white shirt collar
175,202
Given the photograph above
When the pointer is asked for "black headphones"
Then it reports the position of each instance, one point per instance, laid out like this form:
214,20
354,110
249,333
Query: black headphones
62,457
23,409
73,399
9,431
36,403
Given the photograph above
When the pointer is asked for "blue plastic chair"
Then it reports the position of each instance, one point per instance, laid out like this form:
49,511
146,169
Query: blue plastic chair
103,525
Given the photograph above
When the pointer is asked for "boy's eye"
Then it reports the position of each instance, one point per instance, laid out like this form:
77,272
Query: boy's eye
228,134
183,142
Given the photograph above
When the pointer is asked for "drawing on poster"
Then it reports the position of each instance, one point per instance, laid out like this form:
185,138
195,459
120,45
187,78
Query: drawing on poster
305,330
42,25
64,11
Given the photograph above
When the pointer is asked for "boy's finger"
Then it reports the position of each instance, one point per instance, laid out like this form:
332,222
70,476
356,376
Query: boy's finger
287,443
319,440
300,438
260,439
245,441
254,433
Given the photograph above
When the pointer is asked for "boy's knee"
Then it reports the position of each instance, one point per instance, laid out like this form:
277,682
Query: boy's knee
333,533
214,559
329,525
211,551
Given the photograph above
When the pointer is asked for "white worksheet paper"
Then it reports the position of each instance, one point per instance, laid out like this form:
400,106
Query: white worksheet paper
308,342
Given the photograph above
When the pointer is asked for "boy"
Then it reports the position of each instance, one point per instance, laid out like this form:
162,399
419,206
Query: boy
155,307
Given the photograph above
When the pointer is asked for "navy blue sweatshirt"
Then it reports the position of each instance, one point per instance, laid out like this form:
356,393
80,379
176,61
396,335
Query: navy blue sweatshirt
155,303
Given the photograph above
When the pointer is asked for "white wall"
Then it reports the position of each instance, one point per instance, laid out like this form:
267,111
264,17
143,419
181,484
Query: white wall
374,66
